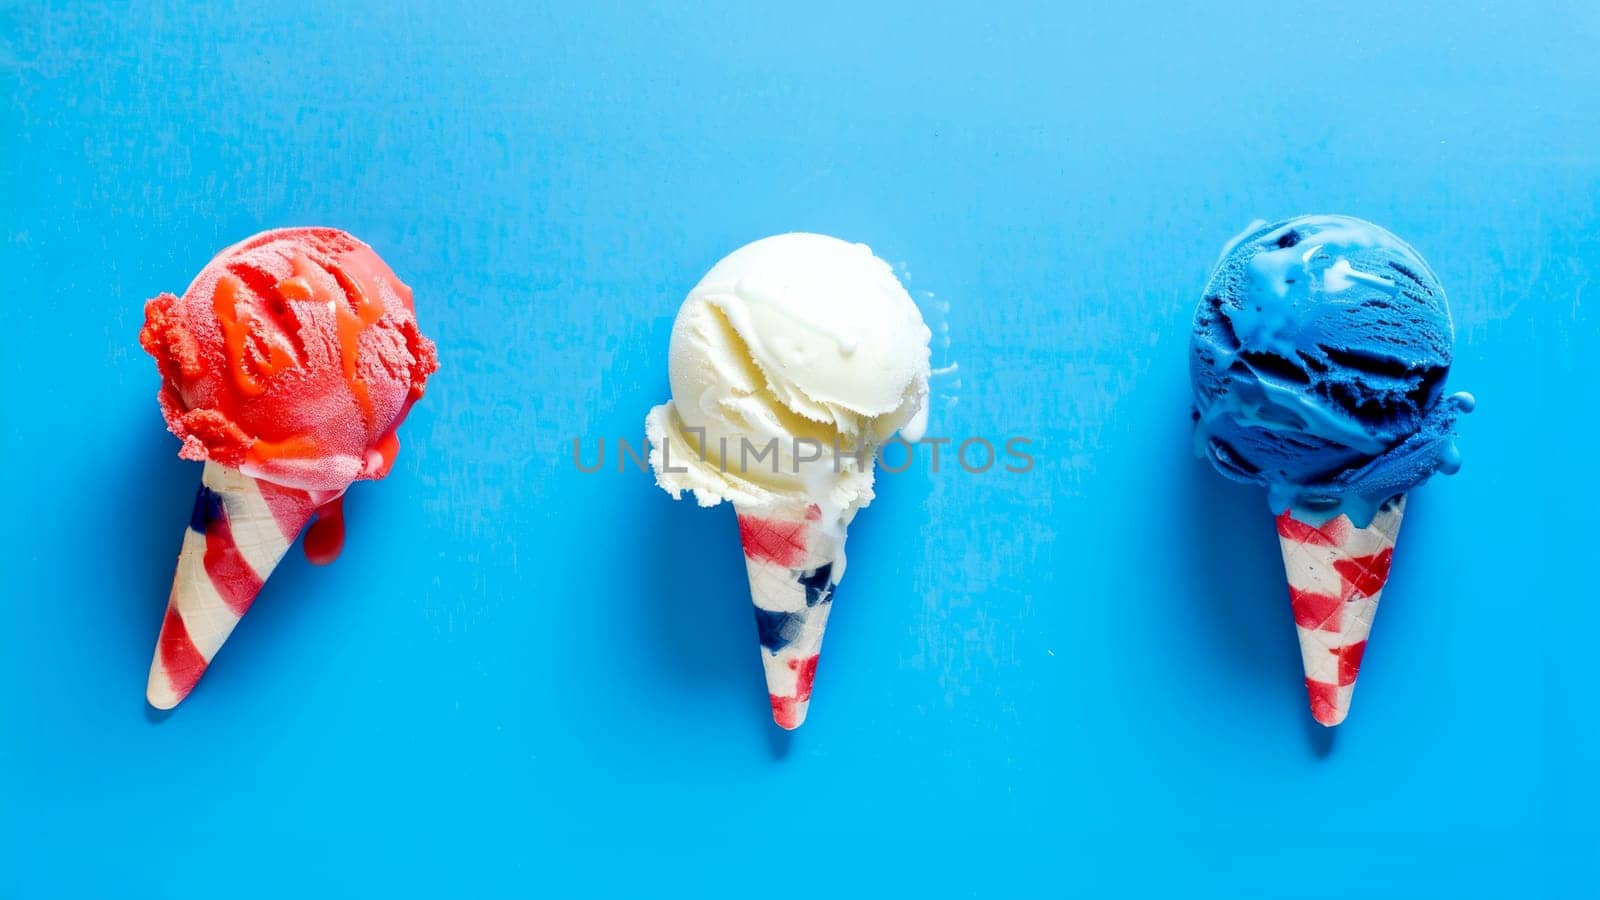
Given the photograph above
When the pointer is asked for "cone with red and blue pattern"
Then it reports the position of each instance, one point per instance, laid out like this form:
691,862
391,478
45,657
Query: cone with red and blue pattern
793,563
238,532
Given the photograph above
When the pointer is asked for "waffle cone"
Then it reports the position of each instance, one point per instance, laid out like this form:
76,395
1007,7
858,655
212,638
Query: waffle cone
238,532
1336,573
791,561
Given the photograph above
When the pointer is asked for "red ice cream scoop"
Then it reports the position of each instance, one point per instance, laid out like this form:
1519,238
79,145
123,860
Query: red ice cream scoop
292,357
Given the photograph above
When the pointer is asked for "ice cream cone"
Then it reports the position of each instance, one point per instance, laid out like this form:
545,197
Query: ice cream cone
239,530
1336,573
793,563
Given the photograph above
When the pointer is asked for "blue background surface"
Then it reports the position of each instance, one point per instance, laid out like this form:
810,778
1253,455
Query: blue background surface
520,679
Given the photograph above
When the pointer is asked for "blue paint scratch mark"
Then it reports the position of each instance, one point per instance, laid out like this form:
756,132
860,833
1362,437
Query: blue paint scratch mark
818,584
207,509
777,629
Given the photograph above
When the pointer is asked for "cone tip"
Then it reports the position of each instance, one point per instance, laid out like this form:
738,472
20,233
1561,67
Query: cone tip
1327,707
160,694
789,712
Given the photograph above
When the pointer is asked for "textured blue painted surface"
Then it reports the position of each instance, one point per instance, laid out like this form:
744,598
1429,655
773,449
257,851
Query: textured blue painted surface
519,678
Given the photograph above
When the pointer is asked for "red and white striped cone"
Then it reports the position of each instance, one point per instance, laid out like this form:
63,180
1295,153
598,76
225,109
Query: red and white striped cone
239,530
1336,573
790,559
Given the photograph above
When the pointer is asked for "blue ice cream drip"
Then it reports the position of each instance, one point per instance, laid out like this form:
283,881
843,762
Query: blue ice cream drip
1318,362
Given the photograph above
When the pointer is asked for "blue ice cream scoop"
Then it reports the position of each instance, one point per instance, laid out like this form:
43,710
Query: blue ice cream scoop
1318,361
